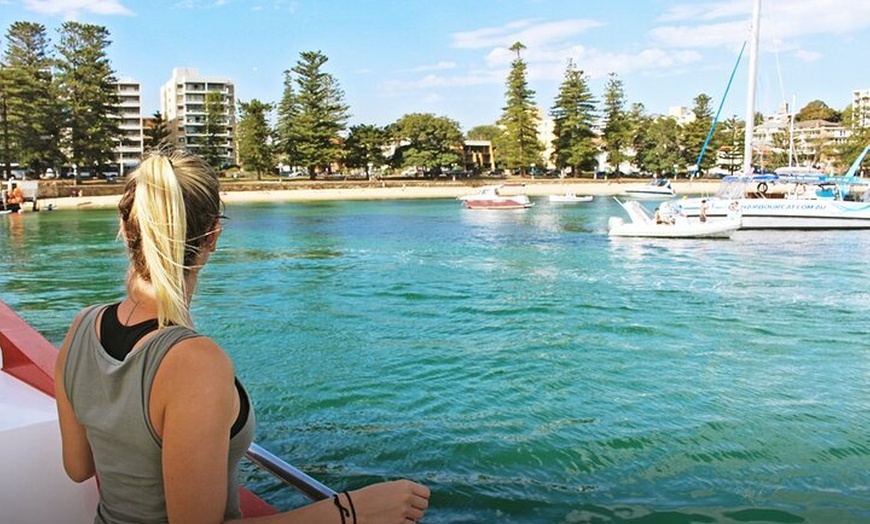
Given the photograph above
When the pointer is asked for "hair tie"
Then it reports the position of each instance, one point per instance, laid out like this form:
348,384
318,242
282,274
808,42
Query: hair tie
342,511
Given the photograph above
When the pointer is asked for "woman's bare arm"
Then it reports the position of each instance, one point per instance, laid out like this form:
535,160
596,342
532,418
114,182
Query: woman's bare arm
78,461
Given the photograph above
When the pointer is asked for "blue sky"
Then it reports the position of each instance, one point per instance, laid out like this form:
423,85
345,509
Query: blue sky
451,58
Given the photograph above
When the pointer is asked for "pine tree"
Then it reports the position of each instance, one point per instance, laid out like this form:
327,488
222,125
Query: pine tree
31,130
520,148
87,87
616,126
694,134
214,129
254,137
312,116
156,133
574,115
285,131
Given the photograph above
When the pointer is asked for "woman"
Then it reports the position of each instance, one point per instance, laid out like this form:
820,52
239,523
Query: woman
153,408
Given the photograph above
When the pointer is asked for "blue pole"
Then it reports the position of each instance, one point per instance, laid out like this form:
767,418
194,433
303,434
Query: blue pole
721,103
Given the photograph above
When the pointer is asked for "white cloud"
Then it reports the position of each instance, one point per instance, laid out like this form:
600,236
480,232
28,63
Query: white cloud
473,78
727,23
440,66
71,8
532,33
808,56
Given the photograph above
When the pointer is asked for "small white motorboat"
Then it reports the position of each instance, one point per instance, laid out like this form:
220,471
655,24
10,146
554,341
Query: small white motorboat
490,197
656,188
570,198
643,225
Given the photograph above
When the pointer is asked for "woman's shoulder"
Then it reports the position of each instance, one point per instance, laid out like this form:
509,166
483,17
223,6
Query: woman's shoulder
199,355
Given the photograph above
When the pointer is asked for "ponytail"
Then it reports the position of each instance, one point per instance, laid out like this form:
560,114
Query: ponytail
170,204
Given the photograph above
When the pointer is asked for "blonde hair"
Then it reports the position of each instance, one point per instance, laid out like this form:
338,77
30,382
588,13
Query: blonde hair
169,208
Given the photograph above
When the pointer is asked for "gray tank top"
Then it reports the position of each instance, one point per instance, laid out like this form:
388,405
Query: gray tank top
110,398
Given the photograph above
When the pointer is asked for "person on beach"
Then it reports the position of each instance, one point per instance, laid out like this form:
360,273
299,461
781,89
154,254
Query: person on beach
14,197
152,407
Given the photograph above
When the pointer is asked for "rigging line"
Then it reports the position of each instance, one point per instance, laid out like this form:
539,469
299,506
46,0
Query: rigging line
718,111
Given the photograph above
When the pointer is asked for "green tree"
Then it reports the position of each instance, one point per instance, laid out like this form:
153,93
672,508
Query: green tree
637,123
694,134
817,110
31,111
213,146
616,125
311,116
660,146
254,137
484,132
520,147
732,144
285,128
779,151
87,87
364,147
427,141
573,115
156,133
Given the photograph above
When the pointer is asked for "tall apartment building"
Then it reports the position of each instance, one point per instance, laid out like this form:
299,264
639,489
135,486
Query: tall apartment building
183,104
861,108
129,142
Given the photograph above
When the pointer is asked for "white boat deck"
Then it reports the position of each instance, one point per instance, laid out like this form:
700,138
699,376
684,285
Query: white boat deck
34,487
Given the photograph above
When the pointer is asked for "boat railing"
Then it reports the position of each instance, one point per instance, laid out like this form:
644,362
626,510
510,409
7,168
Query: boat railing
294,477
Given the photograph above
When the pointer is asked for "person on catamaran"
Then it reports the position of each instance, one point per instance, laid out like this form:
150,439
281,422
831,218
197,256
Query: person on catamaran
702,211
152,407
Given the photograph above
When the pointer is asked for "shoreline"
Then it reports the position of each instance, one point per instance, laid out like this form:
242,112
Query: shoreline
394,191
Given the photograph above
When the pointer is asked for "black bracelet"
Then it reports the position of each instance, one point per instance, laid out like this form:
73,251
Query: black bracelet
342,511
352,509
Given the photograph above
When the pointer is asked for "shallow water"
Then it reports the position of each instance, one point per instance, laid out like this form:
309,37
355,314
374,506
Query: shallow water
522,364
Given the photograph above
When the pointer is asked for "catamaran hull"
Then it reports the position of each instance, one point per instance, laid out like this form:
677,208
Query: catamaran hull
764,213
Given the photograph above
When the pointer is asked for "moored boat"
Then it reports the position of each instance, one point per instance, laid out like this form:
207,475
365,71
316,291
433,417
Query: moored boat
792,201
570,198
490,197
657,188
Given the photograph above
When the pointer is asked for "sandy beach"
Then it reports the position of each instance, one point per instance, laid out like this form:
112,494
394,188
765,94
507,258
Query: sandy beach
395,191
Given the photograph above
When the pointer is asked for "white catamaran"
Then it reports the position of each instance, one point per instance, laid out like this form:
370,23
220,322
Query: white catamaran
786,201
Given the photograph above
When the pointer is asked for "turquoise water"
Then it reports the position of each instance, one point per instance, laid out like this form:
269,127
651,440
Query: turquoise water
522,364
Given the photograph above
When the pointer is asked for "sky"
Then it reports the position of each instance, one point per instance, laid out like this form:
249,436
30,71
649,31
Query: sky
451,58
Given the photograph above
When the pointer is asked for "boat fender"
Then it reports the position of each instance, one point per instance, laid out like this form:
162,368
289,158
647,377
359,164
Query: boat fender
762,187
800,189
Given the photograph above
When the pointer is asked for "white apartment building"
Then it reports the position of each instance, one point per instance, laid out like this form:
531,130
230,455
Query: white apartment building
182,103
861,108
129,144
683,115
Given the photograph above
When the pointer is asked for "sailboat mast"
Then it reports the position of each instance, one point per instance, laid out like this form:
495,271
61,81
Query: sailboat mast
750,98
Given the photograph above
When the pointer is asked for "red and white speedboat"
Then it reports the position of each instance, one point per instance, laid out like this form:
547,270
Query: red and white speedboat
491,197
33,485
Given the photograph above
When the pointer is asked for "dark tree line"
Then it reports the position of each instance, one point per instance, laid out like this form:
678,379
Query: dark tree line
57,101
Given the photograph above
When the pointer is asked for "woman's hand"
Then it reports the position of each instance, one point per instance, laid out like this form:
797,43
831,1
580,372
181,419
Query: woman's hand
397,502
